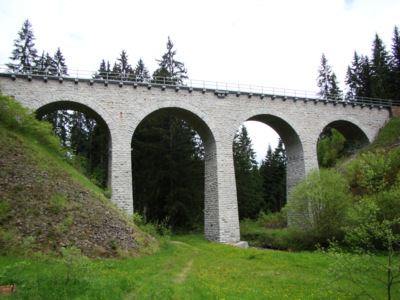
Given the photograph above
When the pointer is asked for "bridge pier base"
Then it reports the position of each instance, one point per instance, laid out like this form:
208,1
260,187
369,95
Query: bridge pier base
221,214
121,176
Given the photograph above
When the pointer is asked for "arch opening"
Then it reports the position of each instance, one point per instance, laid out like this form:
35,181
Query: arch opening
85,135
337,140
270,179
173,151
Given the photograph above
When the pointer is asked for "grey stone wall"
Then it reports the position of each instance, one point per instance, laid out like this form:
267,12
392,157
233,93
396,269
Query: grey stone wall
123,107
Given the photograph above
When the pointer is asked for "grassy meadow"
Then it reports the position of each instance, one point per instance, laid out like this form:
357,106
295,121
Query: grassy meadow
186,268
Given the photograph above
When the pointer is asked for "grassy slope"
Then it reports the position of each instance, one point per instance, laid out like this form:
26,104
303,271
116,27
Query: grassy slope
44,206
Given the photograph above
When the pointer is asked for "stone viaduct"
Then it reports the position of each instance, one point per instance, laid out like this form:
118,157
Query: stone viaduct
215,114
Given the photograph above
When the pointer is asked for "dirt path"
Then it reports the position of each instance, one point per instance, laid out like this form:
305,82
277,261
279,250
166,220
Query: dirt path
182,275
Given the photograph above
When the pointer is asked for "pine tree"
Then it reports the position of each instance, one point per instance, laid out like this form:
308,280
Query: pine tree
358,77
395,65
168,176
366,78
273,172
86,141
248,178
122,66
327,81
170,67
61,120
353,79
141,72
380,70
59,65
44,63
103,71
24,55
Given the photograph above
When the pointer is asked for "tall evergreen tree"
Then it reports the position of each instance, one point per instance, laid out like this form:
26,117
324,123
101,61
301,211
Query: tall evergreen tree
24,55
327,81
122,66
59,65
170,67
86,140
248,178
273,172
366,78
141,73
380,70
168,169
395,65
103,71
61,120
44,63
358,77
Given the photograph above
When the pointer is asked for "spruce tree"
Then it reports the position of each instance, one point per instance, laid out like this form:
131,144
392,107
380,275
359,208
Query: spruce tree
104,70
353,77
61,121
59,65
273,173
380,66
366,78
358,77
395,65
44,63
170,67
248,178
327,81
141,73
168,176
24,55
122,67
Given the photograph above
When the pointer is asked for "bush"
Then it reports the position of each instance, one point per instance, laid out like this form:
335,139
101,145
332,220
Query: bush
276,220
319,204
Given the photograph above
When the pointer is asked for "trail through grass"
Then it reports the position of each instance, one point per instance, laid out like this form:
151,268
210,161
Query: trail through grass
189,268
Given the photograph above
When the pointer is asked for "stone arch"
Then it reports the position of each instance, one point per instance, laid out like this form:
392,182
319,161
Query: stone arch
213,199
291,139
72,105
355,136
94,111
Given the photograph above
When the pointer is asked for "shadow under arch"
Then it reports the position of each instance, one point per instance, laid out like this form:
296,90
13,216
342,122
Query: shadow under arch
89,112
211,200
355,137
295,167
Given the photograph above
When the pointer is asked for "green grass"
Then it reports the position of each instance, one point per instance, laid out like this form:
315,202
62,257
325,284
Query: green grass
389,135
190,268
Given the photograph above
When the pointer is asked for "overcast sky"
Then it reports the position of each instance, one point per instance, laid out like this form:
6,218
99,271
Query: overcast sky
258,42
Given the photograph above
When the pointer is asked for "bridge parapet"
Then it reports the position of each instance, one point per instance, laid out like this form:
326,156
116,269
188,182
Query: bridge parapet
221,90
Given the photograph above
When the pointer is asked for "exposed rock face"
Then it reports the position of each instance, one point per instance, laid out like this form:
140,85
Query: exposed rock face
43,208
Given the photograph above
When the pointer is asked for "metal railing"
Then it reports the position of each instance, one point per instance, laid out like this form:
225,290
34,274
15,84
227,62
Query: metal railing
217,87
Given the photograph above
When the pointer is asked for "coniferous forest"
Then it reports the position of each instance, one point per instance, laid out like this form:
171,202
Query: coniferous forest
167,153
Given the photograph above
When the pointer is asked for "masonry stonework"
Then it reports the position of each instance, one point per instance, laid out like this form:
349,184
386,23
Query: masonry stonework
121,107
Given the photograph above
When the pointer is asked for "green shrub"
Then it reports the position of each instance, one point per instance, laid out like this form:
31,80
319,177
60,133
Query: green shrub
370,172
78,266
319,204
276,220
